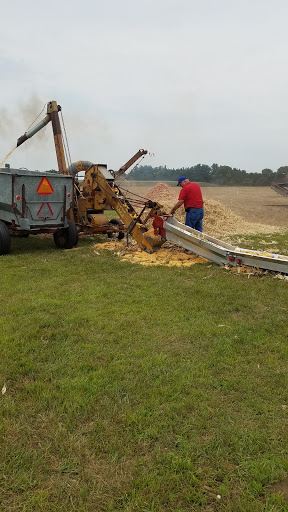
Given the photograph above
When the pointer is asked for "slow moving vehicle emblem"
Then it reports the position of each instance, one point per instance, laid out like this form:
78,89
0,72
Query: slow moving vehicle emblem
45,187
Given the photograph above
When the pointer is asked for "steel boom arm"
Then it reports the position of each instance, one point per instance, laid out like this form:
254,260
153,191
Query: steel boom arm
130,162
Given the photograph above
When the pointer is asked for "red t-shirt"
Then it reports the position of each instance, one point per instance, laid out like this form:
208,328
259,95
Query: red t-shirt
191,195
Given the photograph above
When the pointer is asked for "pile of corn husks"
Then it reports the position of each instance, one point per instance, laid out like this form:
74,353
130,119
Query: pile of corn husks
218,219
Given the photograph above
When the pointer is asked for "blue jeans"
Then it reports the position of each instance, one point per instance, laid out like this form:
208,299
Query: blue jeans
194,218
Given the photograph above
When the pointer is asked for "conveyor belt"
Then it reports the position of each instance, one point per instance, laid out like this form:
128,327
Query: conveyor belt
221,252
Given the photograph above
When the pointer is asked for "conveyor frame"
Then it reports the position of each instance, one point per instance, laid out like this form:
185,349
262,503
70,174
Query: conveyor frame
216,250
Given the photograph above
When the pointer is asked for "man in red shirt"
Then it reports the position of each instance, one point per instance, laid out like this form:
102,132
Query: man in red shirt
191,197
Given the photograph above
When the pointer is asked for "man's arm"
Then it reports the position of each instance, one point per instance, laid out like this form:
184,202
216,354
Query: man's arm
177,205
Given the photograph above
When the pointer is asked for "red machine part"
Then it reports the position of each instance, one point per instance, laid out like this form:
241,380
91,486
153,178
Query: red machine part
158,224
233,258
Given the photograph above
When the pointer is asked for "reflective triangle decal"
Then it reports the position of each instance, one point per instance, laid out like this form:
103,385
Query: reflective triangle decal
45,187
45,211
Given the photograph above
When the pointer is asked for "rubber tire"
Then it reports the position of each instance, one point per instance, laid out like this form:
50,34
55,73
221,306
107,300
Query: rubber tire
117,222
4,239
66,238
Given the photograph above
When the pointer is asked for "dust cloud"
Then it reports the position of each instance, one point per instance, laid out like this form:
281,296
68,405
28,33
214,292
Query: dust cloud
14,122
7,122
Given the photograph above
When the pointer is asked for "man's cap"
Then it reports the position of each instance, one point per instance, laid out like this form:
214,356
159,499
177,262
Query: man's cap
182,178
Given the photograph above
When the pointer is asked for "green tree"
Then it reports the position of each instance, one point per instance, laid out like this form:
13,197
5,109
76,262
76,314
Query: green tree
267,176
282,172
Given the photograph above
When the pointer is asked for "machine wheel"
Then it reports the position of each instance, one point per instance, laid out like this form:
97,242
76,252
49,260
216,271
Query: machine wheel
4,239
117,222
66,238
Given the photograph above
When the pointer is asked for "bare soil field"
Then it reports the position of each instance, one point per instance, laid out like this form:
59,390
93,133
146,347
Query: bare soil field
259,205
254,204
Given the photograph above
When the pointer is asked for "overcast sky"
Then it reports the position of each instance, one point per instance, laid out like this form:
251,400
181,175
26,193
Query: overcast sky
191,81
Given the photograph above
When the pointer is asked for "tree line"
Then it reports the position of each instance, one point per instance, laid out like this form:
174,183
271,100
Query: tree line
214,174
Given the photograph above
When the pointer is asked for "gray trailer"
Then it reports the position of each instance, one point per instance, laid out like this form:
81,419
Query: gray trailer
33,202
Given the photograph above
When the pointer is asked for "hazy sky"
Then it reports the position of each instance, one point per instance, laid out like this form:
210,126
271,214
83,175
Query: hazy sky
191,81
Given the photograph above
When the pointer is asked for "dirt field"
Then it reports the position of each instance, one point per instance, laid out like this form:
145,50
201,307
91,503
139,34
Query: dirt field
254,204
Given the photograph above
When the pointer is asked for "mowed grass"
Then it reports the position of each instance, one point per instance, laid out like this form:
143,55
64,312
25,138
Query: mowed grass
130,388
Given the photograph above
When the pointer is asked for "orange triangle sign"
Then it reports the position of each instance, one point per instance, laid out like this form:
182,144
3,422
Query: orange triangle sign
45,187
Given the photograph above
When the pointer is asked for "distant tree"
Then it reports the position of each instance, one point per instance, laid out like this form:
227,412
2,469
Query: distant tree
223,175
267,176
282,172
200,172
267,172
215,174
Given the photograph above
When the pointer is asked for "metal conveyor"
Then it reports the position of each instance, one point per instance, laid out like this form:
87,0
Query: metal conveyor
218,251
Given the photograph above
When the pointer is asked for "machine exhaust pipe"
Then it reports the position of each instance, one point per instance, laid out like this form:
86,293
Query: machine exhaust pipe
81,165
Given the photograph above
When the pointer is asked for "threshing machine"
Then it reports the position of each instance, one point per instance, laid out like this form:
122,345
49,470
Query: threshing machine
34,207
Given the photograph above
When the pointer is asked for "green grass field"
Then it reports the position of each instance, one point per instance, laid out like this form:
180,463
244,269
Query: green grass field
131,388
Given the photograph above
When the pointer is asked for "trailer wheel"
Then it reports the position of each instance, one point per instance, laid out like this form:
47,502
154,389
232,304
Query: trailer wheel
66,238
4,239
117,222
